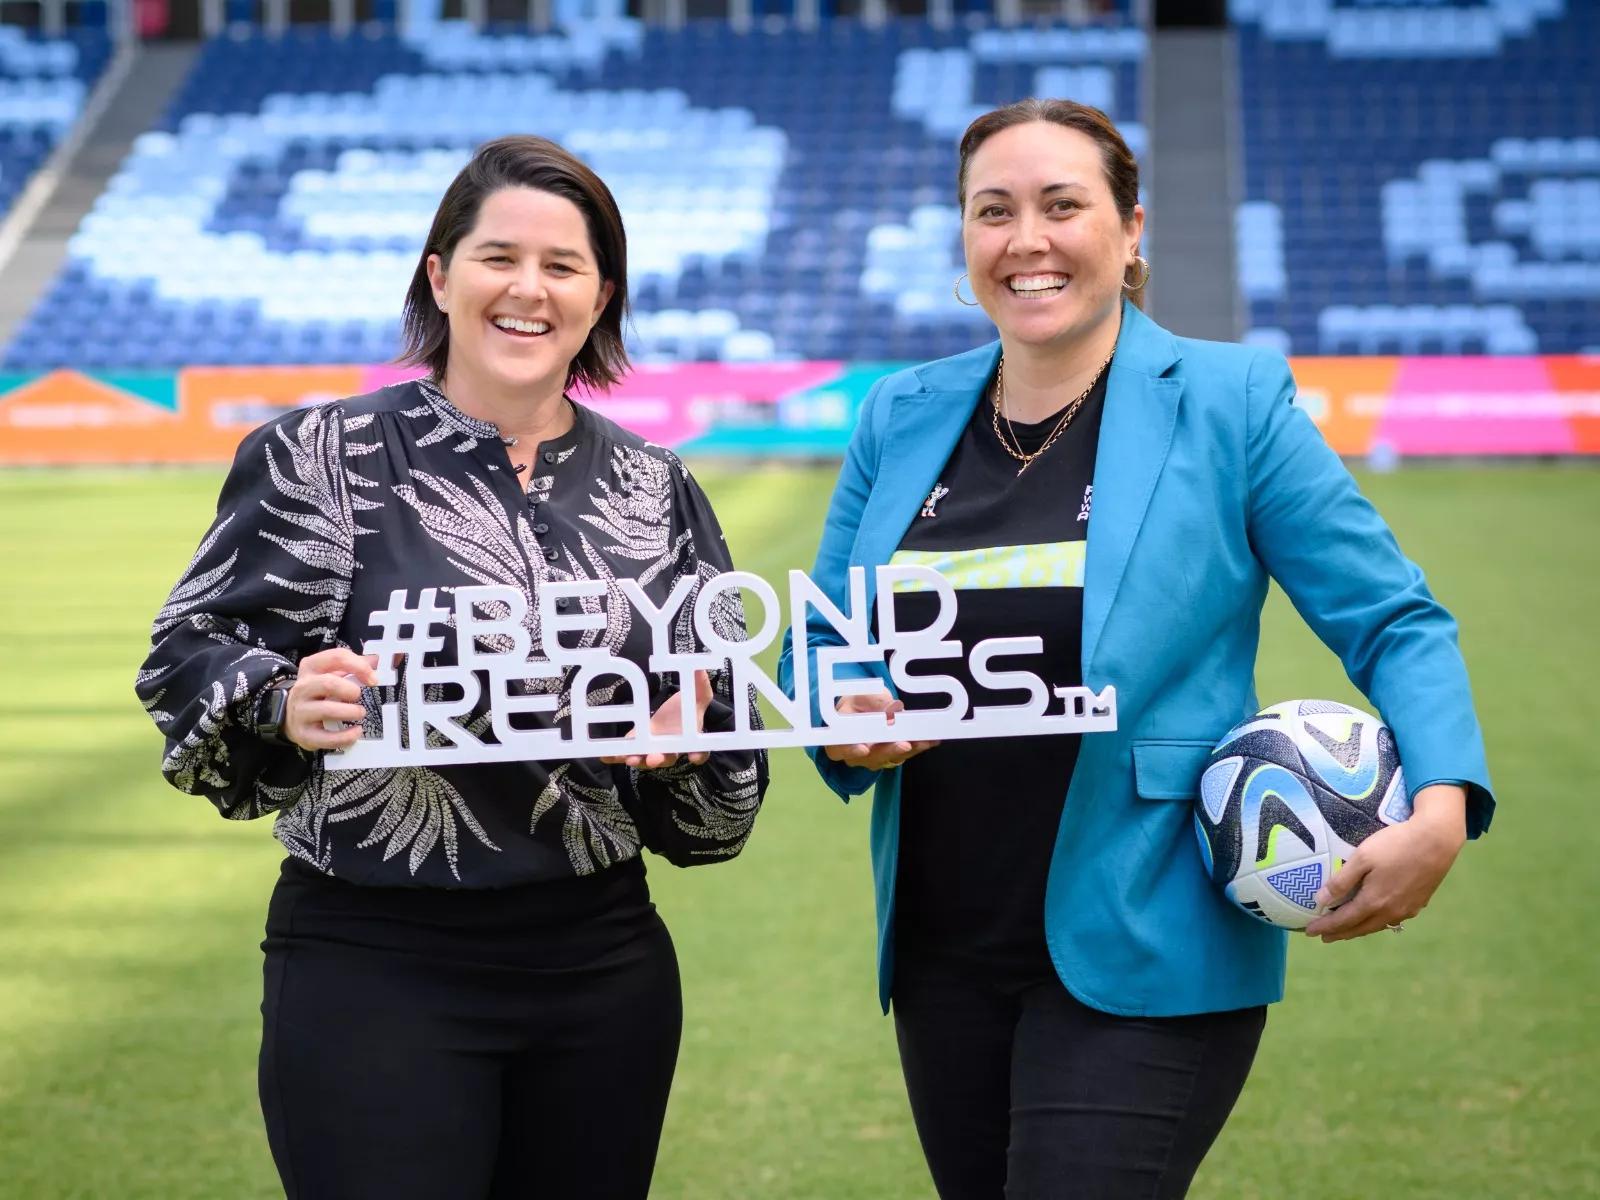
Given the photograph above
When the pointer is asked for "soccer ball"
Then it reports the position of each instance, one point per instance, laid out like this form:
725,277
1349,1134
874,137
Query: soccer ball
1287,796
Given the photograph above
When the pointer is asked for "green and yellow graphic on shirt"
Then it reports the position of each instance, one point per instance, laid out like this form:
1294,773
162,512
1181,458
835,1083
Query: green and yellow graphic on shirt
1051,564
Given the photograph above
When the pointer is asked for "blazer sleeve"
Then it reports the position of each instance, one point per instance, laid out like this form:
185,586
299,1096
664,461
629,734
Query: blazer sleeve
831,574
1344,572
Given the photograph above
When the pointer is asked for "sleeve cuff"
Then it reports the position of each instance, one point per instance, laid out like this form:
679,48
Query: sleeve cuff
1480,803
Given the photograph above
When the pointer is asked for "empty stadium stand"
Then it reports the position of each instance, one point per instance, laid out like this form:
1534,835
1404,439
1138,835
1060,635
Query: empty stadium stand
788,192
44,82
1420,178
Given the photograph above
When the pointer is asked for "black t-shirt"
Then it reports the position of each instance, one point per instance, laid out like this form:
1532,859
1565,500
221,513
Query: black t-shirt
978,817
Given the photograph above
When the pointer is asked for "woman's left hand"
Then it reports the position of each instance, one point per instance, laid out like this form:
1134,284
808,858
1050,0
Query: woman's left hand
668,720
1393,874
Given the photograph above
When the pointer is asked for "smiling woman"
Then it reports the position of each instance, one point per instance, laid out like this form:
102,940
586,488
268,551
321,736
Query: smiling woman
527,246
1051,225
467,989
1076,1005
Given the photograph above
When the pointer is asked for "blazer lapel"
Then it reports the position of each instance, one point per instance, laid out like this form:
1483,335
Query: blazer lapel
922,431
1141,411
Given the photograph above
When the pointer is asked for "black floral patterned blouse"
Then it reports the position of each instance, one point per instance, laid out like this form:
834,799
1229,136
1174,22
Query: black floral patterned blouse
329,509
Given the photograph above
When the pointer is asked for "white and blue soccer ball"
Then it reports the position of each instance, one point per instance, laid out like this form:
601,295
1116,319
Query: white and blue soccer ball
1285,799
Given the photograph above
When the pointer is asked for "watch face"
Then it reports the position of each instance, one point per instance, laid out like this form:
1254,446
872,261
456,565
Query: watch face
270,712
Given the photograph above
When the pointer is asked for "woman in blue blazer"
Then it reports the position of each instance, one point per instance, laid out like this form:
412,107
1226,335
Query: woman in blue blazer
1077,1006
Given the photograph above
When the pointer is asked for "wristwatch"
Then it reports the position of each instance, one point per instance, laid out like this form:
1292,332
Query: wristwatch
271,707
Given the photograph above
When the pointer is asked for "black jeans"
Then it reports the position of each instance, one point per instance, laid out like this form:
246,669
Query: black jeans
1020,1091
451,1045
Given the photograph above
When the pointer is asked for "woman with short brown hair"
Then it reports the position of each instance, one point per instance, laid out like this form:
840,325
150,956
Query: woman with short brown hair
468,991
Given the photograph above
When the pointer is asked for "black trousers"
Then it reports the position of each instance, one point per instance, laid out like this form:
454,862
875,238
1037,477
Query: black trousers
1020,1091
452,1045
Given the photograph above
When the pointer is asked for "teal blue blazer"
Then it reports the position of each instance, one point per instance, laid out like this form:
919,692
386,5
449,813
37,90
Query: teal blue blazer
1208,482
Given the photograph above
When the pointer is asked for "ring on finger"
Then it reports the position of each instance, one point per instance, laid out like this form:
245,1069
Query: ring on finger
1397,927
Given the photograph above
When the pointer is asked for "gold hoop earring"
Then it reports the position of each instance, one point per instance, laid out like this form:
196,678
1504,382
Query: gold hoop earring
1142,265
973,303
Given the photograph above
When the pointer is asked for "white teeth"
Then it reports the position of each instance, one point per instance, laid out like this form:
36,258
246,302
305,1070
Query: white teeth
1038,283
521,326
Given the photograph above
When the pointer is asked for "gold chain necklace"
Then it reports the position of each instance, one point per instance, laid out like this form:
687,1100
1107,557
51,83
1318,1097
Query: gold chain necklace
1014,446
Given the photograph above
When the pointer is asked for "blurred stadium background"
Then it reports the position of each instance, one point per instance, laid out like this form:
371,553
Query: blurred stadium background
208,212
200,232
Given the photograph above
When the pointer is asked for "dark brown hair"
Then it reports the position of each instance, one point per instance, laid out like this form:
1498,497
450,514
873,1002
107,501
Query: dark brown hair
540,164
1121,168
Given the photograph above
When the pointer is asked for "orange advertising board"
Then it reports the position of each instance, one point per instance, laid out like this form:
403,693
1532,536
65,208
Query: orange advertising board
197,416
1418,406
1344,396
65,417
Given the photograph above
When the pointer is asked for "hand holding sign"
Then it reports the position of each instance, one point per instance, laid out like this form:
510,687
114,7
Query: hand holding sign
323,710
876,756
668,719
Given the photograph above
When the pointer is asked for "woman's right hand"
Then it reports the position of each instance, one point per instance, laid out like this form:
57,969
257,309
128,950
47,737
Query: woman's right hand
876,756
328,688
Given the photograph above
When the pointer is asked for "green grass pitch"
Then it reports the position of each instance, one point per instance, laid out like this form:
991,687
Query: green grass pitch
1459,1060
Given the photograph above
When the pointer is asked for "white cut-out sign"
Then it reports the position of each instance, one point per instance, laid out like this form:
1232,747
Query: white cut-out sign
406,632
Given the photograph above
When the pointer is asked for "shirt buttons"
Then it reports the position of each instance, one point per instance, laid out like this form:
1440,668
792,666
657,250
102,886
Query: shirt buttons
541,529
550,553
561,601
549,456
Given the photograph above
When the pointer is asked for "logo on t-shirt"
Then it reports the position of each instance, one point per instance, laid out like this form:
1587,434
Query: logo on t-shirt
1088,499
939,493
